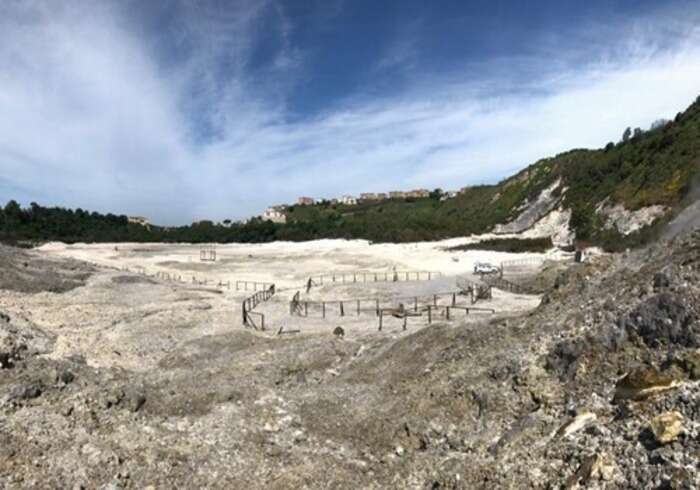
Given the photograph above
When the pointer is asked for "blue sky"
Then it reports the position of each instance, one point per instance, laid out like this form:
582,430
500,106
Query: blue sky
182,110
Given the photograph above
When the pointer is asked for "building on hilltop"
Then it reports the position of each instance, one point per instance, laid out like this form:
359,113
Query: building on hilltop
397,195
373,196
348,200
274,214
306,201
448,195
139,220
418,193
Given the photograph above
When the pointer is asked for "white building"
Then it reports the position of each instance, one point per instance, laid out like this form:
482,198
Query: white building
274,215
348,200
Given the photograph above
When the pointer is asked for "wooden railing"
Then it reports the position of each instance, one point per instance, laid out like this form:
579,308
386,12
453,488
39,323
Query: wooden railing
500,283
249,304
363,276
373,306
254,285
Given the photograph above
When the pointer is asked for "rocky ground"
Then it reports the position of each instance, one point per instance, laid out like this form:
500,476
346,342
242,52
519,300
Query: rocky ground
595,388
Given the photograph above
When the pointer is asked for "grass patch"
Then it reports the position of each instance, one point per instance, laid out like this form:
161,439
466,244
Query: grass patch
513,245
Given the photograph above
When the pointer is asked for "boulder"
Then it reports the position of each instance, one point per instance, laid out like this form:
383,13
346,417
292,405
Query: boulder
667,426
664,319
642,383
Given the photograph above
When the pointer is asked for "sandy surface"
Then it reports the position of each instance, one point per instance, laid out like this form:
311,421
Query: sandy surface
289,265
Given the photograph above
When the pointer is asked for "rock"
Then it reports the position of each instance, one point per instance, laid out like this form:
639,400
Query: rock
690,364
665,319
136,402
642,383
667,426
5,360
574,425
26,392
113,398
339,332
603,468
661,280
66,377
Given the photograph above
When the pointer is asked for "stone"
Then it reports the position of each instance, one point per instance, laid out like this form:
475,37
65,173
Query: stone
690,364
661,280
603,468
5,360
66,377
667,426
665,319
574,425
26,392
136,401
642,383
113,398
339,332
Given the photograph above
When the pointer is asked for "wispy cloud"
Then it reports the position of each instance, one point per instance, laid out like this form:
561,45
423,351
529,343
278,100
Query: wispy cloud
94,116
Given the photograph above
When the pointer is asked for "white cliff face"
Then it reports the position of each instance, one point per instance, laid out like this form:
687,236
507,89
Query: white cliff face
532,212
626,222
555,224
543,217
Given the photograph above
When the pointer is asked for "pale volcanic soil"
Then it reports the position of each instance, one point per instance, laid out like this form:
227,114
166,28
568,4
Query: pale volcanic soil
119,370
289,265
131,365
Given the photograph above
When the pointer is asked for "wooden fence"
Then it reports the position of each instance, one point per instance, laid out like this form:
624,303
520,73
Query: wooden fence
207,253
254,285
500,283
405,314
372,306
249,304
520,266
362,276
476,290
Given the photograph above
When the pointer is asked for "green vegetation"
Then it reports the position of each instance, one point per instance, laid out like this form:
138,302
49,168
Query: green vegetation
646,168
513,245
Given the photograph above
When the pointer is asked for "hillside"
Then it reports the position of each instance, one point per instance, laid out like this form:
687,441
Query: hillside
618,196
614,196
117,380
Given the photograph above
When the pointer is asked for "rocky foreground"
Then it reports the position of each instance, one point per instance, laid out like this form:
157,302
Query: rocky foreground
597,388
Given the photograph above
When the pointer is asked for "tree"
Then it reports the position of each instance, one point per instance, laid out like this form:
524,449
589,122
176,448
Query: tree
659,123
626,135
436,194
637,132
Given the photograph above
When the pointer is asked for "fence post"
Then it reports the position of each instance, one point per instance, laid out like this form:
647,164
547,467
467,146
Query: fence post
342,310
430,315
324,309
405,319
415,304
434,299
448,312
381,318
358,307
306,308
377,307
454,299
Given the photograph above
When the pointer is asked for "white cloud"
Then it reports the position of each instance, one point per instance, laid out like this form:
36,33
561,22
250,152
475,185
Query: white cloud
90,118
